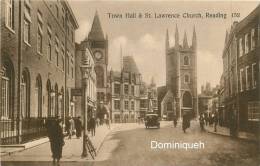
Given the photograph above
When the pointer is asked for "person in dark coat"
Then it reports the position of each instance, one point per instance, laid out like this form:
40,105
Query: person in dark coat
185,122
78,127
55,135
92,125
175,119
202,122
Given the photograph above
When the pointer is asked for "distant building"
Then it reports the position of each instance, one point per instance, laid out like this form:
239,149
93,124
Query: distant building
148,99
97,43
125,92
208,99
181,78
84,52
38,66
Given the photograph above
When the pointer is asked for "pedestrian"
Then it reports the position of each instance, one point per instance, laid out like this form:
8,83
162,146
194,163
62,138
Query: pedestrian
56,138
71,127
202,122
175,119
78,127
215,122
92,125
97,122
185,122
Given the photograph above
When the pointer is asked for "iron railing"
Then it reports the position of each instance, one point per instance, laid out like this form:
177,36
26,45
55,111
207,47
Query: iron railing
14,131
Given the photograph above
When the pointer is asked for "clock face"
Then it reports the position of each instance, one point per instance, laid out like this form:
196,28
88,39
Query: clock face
98,55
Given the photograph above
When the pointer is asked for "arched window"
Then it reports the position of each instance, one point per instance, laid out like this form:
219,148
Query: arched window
56,100
7,89
61,102
48,87
100,76
186,78
25,94
38,95
187,100
186,61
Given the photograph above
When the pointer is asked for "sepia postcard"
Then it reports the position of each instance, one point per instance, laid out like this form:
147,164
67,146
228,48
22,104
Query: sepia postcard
129,83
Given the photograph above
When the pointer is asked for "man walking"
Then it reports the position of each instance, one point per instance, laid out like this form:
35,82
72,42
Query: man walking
92,125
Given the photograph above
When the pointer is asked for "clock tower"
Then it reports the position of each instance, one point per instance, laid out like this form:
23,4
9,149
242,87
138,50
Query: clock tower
98,44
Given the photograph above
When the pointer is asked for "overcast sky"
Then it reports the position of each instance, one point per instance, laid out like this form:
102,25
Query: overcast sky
144,39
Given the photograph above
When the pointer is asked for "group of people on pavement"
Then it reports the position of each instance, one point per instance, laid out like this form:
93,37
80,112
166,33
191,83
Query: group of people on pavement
210,119
73,126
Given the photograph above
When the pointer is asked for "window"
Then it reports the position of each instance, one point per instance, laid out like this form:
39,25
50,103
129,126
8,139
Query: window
49,43
252,39
57,11
240,47
39,33
254,111
57,50
57,57
72,69
67,64
133,90
5,95
126,88
26,32
38,96
126,105
254,75
49,51
247,79
186,78
25,95
132,105
63,18
246,43
63,64
117,104
117,88
27,23
9,17
186,61
241,79
143,103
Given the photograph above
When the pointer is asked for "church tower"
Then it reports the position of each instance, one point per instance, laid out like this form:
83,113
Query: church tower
98,44
181,77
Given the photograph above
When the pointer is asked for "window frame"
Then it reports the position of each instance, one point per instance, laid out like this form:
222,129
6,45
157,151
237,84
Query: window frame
9,15
26,32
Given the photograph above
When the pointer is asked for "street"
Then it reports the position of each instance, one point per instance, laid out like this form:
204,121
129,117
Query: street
130,144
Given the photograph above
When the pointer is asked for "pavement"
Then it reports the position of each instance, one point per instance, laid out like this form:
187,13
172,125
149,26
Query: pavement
224,131
71,151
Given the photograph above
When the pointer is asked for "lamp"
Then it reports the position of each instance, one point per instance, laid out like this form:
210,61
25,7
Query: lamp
85,71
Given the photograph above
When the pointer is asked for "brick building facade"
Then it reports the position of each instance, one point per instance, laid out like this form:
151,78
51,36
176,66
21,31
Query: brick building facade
37,50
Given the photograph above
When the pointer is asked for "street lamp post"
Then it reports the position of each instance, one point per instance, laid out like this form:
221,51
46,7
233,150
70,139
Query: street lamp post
85,71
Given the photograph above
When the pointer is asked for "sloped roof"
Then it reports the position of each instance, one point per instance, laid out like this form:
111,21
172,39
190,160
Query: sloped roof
129,65
96,32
